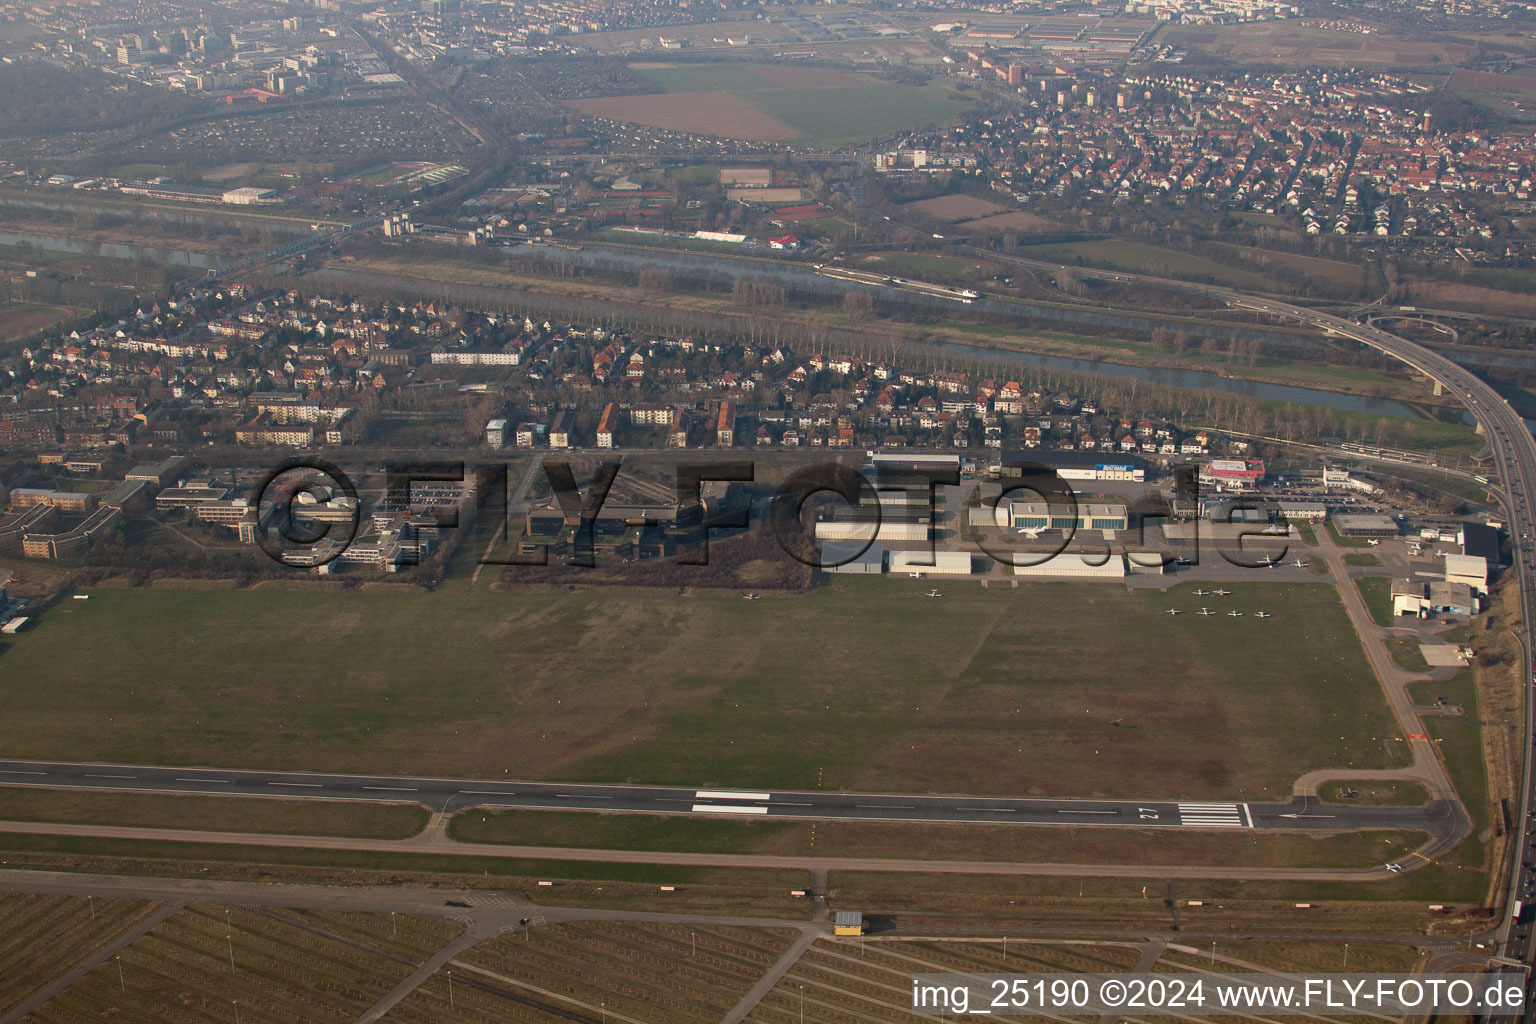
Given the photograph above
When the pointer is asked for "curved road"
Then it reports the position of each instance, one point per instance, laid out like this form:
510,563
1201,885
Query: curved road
1514,452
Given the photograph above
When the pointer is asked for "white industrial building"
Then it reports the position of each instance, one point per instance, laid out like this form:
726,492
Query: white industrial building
1469,569
938,563
1075,565
889,532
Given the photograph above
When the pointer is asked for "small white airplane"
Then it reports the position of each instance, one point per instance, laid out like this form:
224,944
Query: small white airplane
1221,593
1205,611
934,593
914,575
1201,593
1174,611
1262,615
1234,614
1374,543
749,597
1299,564
1266,559
1032,532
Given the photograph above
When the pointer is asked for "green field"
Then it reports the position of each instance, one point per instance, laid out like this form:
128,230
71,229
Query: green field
1137,258
858,108
1377,591
1050,688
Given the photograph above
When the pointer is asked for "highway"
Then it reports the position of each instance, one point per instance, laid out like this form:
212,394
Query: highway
1441,819
1514,452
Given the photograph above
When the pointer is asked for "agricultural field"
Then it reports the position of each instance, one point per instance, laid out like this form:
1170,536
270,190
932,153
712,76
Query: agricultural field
278,965
1297,44
862,683
765,103
626,971
846,983
45,936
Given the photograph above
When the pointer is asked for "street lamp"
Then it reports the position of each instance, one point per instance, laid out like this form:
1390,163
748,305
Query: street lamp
121,983
802,1004
237,1011
451,1006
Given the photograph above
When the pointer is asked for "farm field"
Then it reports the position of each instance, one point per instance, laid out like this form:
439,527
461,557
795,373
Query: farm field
1296,43
286,966
688,974
850,983
45,936
765,103
864,684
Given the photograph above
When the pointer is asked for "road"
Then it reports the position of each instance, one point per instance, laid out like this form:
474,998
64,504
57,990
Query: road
1514,452
1439,818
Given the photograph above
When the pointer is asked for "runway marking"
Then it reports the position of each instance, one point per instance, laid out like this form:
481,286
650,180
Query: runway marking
727,809
489,792
90,776
891,807
22,773
713,794
793,803
221,782
1215,815
1069,811
306,785
392,789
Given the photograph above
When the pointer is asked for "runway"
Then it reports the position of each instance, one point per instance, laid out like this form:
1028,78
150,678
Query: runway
1437,818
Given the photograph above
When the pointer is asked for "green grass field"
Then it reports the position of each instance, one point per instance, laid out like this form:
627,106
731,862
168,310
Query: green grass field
1050,688
1377,591
1147,259
857,109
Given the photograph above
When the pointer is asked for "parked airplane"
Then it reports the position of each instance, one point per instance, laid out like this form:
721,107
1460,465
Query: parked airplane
1032,532
1262,615
1234,613
934,593
1206,611
1299,564
1221,593
1373,543
749,597
1201,593
1174,611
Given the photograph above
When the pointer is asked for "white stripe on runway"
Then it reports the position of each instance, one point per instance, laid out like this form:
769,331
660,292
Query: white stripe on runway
712,794
1214,816
727,809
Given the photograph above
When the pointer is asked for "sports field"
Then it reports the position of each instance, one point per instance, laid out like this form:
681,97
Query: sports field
767,103
1047,689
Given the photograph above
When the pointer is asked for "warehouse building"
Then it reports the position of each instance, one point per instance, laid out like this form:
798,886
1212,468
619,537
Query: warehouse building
934,563
1075,465
1074,565
887,530
853,558
1365,526
1469,569
1033,515
1421,600
1482,541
